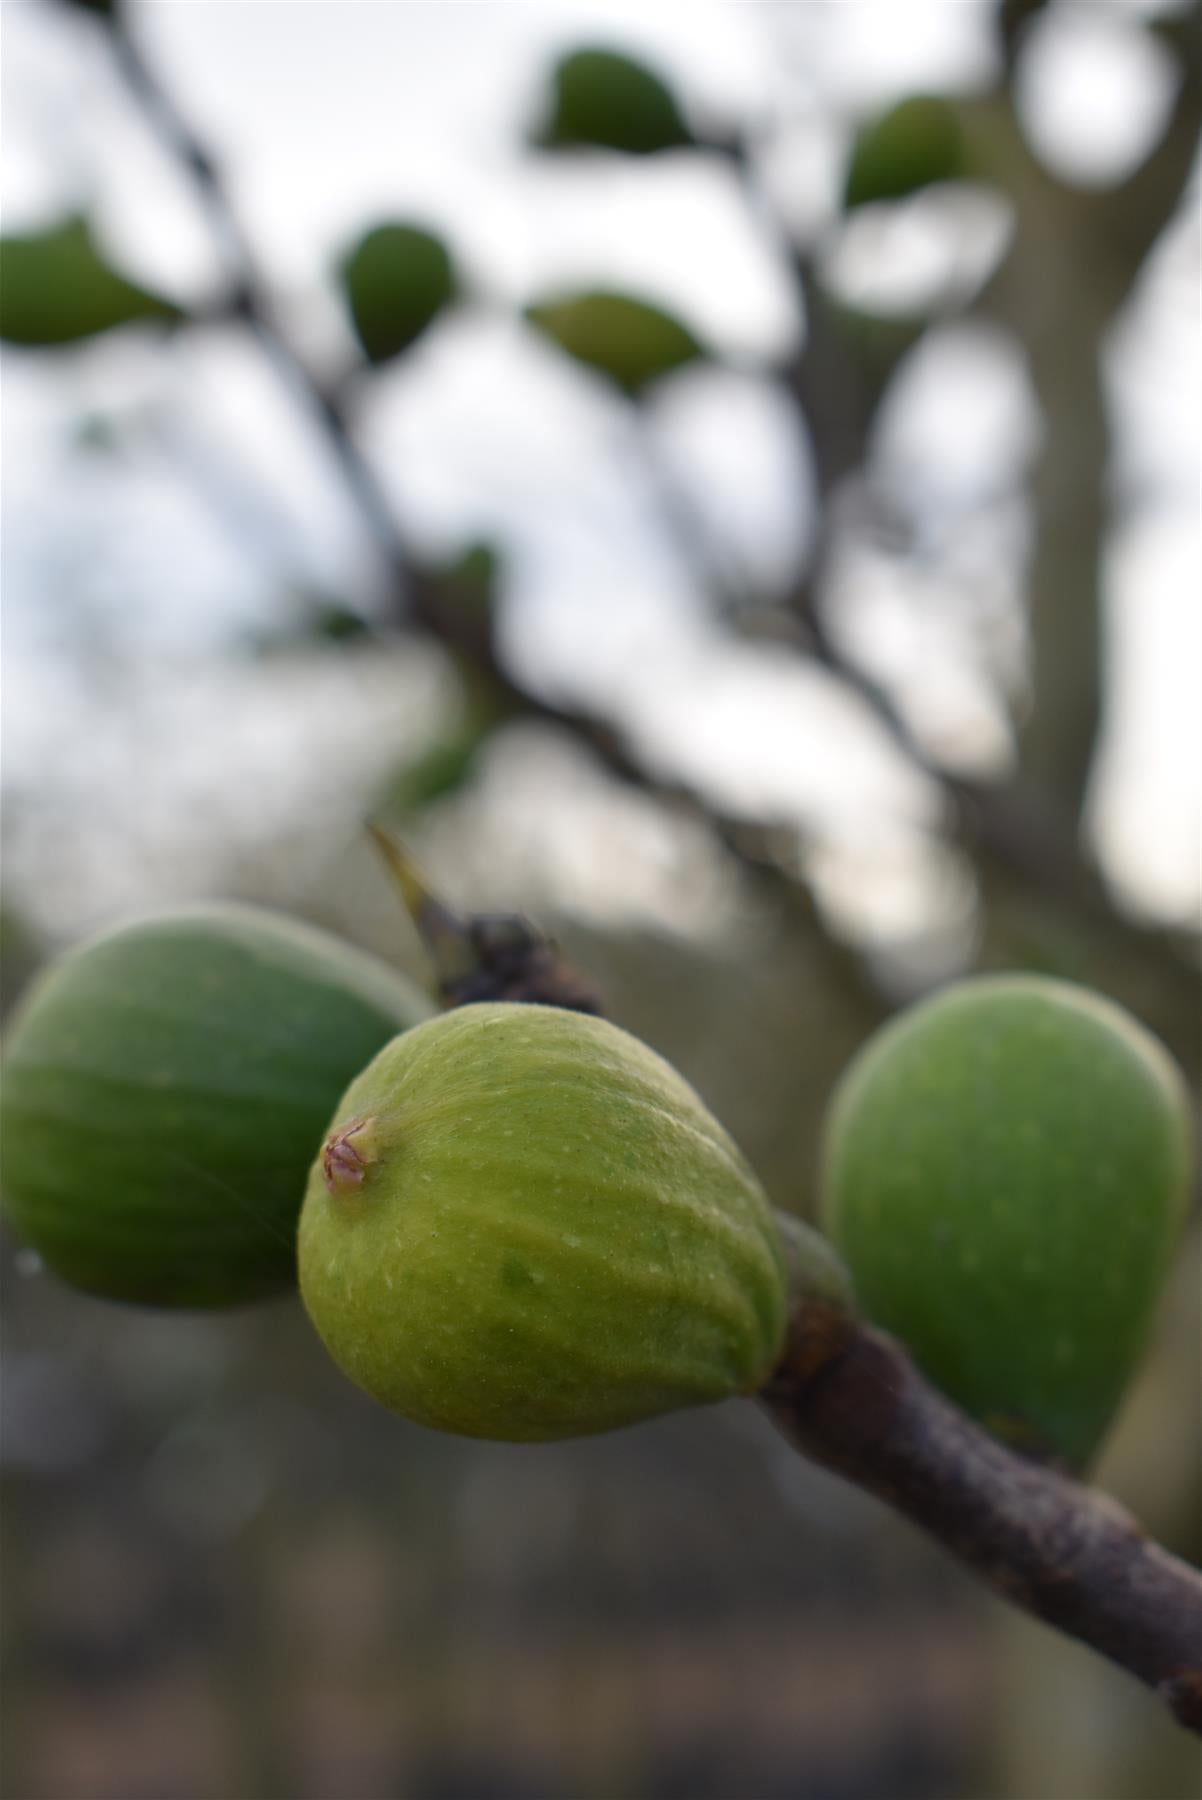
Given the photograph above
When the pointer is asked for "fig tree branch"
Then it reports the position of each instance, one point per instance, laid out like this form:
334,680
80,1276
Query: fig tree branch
1006,825
1072,263
250,299
850,1398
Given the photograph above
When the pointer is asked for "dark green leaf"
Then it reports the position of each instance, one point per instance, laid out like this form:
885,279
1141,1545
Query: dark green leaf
56,288
398,278
475,569
627,340
450,759
914,144
441,769
335,624
600,97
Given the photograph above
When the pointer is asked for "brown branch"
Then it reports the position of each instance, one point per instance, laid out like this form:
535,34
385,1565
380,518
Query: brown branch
850,1398
250,299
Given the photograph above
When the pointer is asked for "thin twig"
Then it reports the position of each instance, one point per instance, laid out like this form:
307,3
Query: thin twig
850,1398
251,300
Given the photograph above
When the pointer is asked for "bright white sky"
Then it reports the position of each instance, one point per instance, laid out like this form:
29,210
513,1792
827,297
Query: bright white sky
330,115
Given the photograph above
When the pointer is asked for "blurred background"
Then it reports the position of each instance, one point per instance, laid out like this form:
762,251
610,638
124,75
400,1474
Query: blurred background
723,480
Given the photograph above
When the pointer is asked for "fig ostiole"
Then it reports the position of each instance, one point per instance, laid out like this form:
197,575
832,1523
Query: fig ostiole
163,1092
524,1224
1005,1173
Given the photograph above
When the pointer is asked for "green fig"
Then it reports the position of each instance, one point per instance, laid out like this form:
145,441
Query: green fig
524,1224
1005,1172
164,1090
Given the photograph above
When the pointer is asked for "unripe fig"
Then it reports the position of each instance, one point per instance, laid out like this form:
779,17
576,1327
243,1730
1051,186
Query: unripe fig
164,1090
524,1224
1005,1172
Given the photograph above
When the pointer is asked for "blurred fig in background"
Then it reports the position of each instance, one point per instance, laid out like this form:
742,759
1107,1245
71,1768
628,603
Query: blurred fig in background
1006,1172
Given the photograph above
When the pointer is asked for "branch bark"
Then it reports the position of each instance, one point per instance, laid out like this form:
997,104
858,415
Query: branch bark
250,298
1075,256
850,1398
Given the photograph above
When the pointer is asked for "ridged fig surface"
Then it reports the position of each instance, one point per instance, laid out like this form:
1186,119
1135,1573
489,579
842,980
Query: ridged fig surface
164,1089
524,1224
1006,1169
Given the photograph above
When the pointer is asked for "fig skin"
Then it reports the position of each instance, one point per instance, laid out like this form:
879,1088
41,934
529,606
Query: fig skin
1006,1170
164,1089
525,1225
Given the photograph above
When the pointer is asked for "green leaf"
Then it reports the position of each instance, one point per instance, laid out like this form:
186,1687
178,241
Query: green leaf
600,97
632,343
441,769
877,342
56,288
333,623
474,573
398,278
916,143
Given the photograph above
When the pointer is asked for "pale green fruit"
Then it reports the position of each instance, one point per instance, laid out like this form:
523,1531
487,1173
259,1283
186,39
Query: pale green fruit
524,1224
1006,1172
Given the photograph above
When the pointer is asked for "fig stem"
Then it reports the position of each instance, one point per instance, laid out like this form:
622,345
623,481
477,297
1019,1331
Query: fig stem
850,1398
